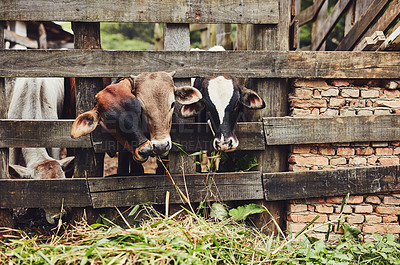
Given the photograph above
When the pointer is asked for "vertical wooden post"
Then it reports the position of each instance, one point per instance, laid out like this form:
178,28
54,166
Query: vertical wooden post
5,214
223,36
177,38
318,24
88,164
87,36
275,94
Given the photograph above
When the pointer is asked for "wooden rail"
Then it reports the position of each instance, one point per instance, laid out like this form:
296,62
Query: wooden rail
128,191
132,190
256,64
204,11
338,129
56,133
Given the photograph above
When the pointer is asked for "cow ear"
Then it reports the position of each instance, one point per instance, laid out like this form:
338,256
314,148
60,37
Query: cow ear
85,123
66,161
251,99
191,110
19,172
187,95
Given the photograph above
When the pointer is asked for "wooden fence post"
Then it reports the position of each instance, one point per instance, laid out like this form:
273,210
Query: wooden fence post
223,34
275,93
177,38
5,214
87,163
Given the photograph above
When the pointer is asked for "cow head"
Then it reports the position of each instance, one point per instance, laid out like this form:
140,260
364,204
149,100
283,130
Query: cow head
223,98
157,95
118,111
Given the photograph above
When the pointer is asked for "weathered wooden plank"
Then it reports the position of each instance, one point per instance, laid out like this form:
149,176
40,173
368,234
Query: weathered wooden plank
56,133
309,13
255,64
31,193
384,22
329,23
128,191
39,133
361,26
290,130
3,115
325,183
186,11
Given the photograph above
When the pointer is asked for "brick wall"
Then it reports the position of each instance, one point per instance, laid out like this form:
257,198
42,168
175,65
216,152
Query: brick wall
374,213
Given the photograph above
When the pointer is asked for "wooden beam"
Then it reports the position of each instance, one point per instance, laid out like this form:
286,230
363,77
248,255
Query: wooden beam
128,191
329,24
32,193
22,40
251,64
186,11
384,22
290,130
392,41
326,183
3,113
371,43
361,26
309,13
56,133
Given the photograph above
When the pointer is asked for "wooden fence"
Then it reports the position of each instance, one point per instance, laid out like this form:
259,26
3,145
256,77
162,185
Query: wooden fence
267,61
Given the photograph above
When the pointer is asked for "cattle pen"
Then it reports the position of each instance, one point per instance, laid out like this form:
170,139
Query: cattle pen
274,63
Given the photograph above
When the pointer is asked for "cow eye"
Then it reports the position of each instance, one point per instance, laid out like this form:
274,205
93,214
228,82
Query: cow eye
172,105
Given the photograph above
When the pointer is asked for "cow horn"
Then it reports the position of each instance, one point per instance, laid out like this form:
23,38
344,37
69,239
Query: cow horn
172,73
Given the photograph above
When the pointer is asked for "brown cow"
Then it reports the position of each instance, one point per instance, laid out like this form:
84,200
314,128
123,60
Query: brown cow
151,95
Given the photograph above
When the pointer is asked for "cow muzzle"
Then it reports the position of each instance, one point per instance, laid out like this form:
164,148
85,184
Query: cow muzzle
142,152
162,147
225,145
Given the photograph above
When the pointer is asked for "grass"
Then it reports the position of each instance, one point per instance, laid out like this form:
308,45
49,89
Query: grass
187,238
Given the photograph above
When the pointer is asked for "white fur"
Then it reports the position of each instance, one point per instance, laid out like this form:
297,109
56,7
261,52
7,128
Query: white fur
220,91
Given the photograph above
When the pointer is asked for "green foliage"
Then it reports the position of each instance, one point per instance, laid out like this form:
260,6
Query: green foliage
242,212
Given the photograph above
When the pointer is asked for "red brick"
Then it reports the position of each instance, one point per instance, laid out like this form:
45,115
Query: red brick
296,168
327,151
310,83
345,151
352,93
396,151
308,160
296,227
391,200
306,218
332,92
346,209
372,160
323,209
358,161
340,83
316,93
387,103
301,149
302,93
357,103
363,209
370,93
355,219
382,112
295,208
391,210
315,111
316,200
391,93
335,200
337,102
384,151
309,103
365,151
355,199
387,161
338,161
373,199
390,219
301,112
371,218
381,229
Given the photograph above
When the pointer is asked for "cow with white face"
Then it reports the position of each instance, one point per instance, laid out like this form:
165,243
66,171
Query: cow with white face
37,98
223,98
151,95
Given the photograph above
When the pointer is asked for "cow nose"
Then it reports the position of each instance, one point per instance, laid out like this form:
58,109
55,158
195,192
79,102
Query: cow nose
143,152
162,148
225,146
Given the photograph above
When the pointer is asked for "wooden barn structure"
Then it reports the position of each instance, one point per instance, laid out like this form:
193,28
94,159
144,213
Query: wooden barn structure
271,59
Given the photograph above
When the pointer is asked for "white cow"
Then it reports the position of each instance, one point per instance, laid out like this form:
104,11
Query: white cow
36,98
